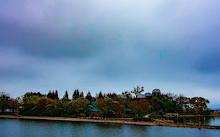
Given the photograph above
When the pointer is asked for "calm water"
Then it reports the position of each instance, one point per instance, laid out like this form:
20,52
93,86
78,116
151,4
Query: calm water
32,128
213,121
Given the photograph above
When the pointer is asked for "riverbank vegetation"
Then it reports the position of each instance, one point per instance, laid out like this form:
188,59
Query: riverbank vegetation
128,104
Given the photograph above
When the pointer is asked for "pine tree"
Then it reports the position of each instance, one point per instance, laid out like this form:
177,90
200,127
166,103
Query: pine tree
88,96
66,95
49,94
56,95
100,95
75,94
53,95
81,94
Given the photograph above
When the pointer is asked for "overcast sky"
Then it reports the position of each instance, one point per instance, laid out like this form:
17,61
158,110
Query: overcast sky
110,45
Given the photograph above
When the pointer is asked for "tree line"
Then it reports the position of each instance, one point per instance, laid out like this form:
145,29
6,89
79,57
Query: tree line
36,103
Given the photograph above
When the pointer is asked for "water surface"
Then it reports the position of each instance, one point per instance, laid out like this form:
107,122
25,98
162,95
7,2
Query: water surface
212,121
35,128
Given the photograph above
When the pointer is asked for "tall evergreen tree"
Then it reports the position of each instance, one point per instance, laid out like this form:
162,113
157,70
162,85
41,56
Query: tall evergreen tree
49,94
88,96
104,95
4,101
53,95
111,95
81,94
100,95
66,95
56,95
75,94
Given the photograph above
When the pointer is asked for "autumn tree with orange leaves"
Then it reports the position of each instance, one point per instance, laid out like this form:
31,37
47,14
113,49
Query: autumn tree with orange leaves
139,106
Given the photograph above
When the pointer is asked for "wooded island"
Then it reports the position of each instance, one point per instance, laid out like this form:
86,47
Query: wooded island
133,104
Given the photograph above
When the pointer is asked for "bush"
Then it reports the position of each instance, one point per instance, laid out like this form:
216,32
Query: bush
153,115
157,115
161,113
7,113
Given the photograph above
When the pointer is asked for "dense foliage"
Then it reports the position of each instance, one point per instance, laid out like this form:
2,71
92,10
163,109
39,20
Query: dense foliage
32,103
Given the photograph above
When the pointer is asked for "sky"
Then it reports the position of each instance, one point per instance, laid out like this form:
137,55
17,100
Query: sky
110,46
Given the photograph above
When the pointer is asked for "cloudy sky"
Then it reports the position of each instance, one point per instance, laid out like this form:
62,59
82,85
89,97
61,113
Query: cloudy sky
110,45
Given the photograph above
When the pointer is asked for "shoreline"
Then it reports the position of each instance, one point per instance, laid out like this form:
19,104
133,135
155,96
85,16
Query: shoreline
67,119
199,116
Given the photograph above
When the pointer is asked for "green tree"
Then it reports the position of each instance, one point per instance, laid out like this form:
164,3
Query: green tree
49,95
78,105
53,95
157,104
56,95
112,95
89,96
4,101
110,104
100,96
29,105
66,96
27,95
81,95
75,94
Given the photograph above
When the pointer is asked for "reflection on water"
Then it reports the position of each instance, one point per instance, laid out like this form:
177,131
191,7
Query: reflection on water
214,121
34,128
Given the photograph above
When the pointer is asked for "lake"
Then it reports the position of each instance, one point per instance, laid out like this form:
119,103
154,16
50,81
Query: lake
35,128
212,121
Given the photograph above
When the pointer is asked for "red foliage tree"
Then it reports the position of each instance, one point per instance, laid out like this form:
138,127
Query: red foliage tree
42,103
139,106
13,104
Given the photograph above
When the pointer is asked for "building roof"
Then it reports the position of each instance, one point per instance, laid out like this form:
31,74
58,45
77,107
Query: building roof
139,95
95,110
109,111
156,91
93,102
128,110
91,106
148,94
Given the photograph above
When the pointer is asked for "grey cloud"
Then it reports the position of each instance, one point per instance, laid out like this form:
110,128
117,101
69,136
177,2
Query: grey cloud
16,66
84,32
112,45
209,63
40,44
